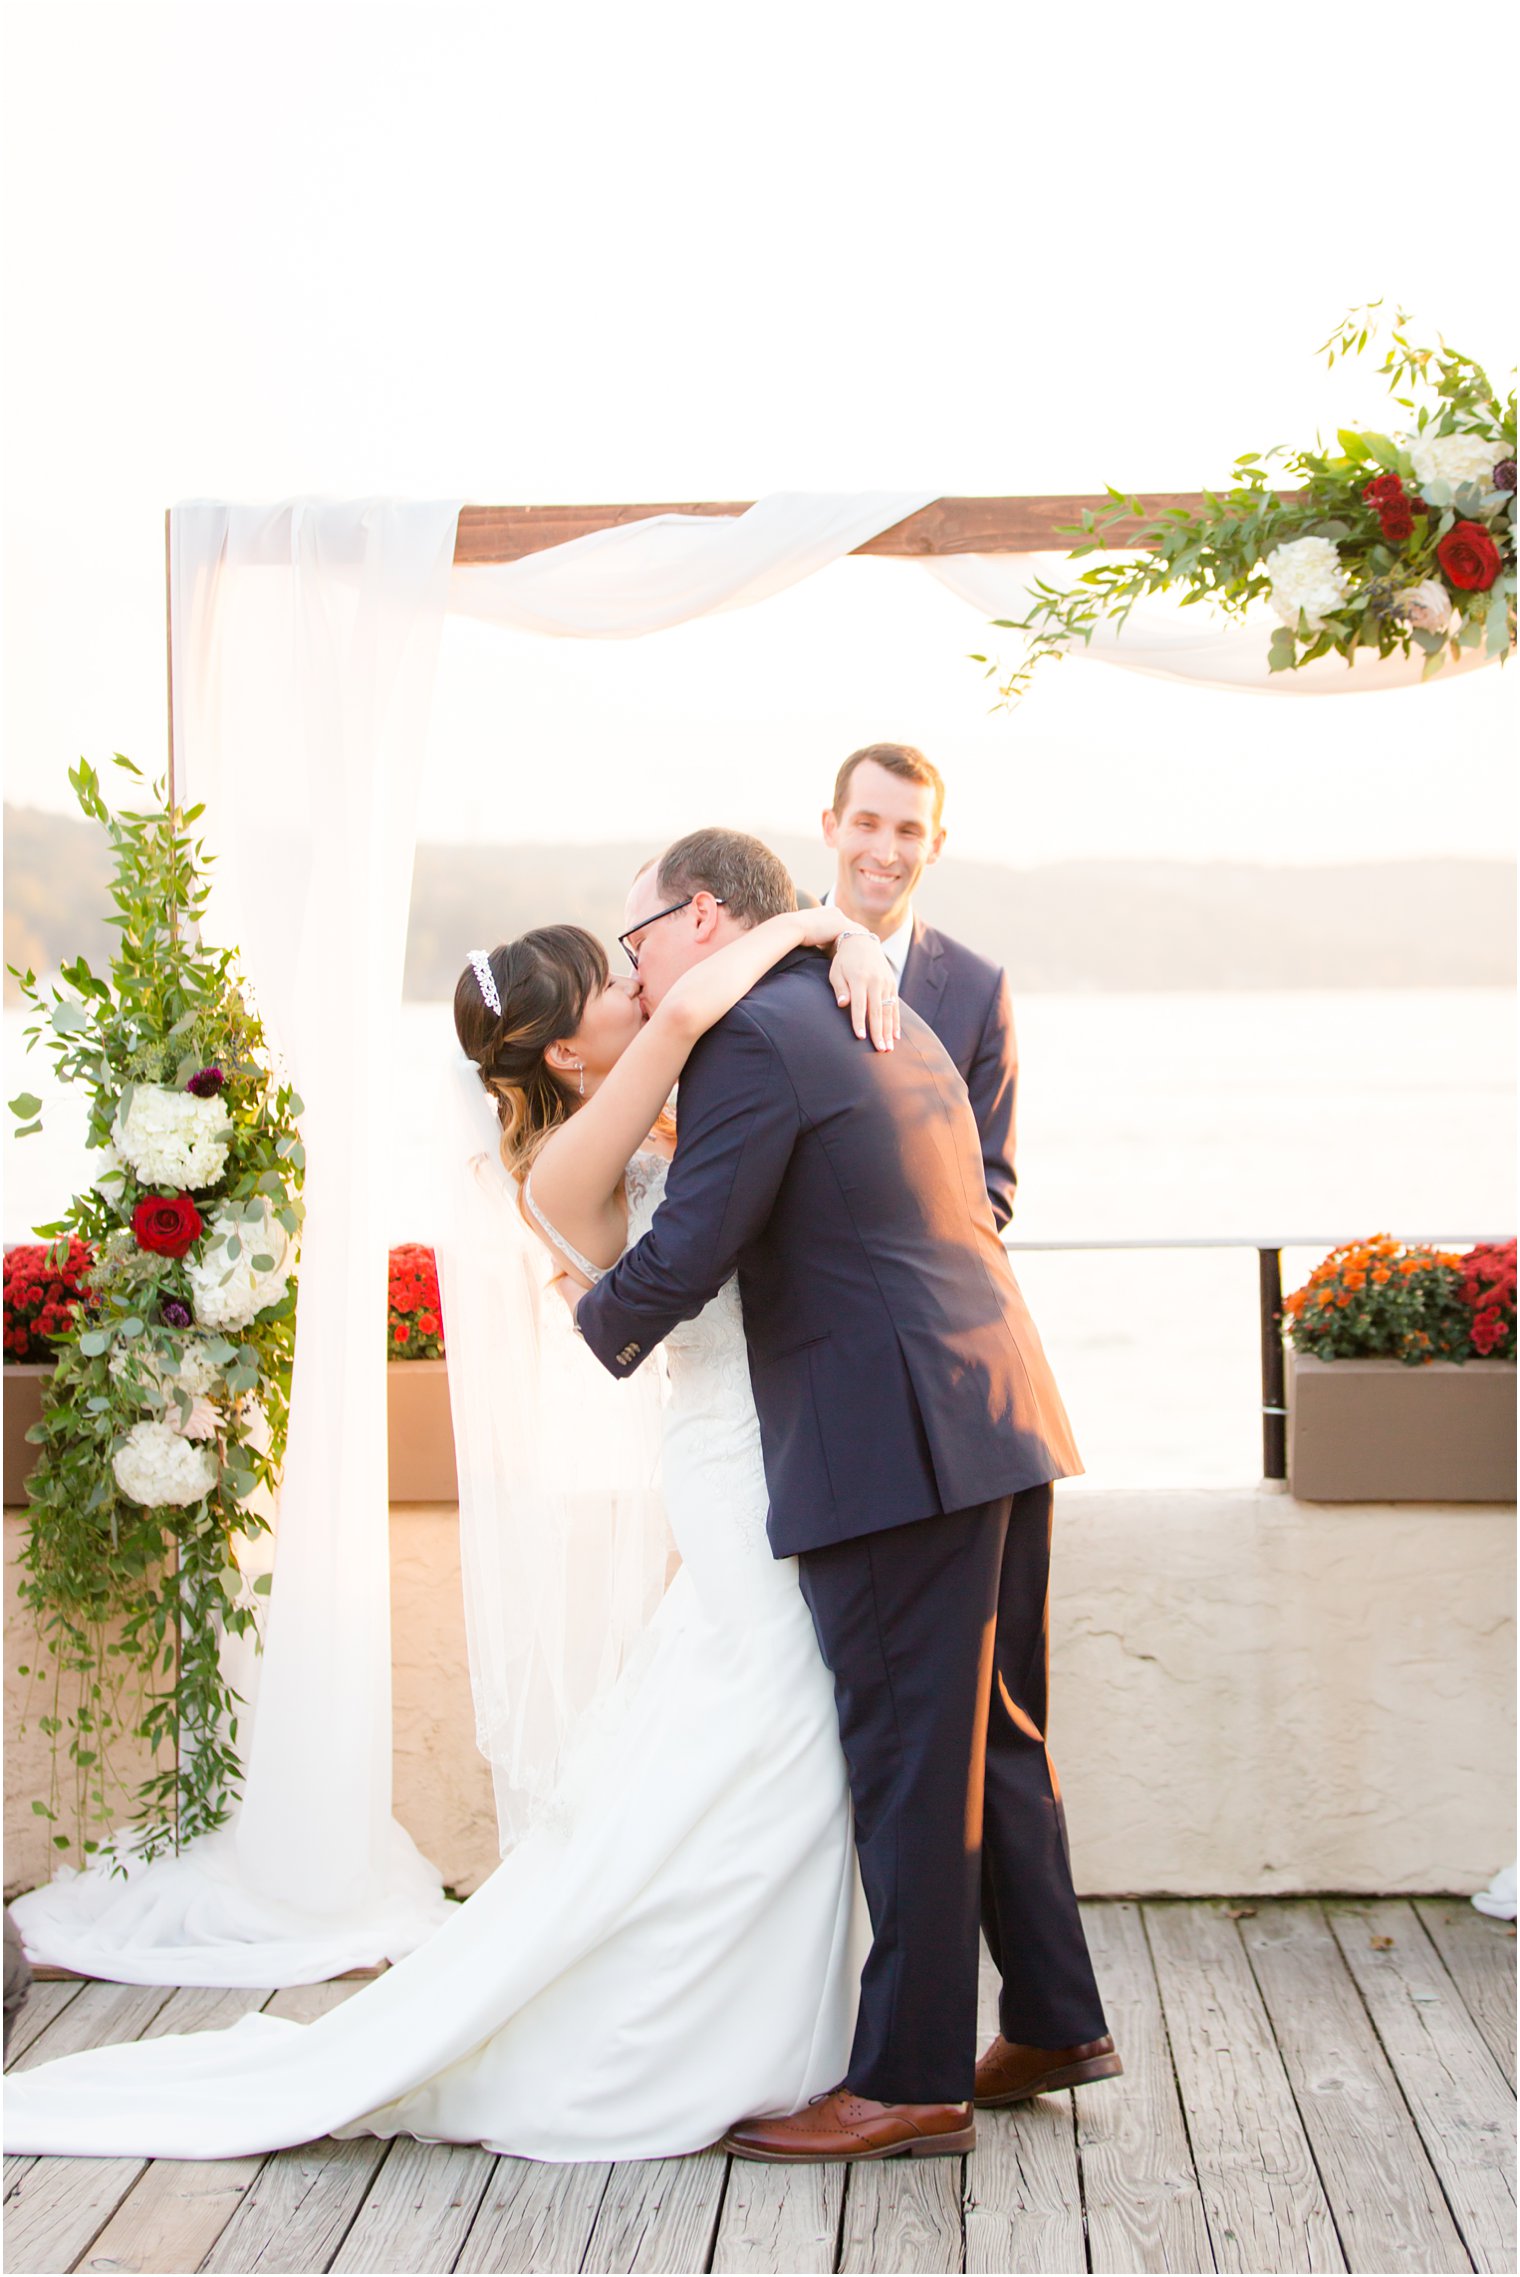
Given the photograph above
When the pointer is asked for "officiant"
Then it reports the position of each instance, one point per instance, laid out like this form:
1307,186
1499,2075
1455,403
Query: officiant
885,828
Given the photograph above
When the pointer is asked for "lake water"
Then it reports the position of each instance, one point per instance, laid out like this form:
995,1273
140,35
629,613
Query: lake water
1307,1117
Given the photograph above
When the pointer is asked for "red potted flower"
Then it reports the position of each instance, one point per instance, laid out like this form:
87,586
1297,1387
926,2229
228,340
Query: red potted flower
41,1299
1401,1375
421,1430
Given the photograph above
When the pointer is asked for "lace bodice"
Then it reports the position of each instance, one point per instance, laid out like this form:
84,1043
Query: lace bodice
717,1333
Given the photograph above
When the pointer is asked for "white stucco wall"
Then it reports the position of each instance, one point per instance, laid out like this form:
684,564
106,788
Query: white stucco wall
1249,1694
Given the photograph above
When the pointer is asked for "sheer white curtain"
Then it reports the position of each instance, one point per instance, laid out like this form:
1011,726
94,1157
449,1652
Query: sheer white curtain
305,640
1168,642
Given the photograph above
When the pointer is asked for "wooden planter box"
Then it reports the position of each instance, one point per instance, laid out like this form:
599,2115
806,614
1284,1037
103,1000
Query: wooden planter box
421,1433
22,1382
1376,1431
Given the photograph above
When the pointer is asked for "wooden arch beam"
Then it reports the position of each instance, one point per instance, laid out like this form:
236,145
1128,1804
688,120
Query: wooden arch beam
949,525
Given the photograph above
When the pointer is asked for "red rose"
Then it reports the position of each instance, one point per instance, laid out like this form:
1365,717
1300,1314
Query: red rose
402,1335
427,1322
1469,557
1398,523
167,1224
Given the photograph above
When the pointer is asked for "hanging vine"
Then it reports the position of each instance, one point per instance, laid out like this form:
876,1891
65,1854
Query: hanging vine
164,1420
1397,543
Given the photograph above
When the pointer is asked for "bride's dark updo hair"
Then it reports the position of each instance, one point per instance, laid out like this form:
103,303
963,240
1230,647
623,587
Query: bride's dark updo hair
545,981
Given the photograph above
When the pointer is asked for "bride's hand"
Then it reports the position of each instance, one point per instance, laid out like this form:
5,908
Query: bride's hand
863,980
570,1286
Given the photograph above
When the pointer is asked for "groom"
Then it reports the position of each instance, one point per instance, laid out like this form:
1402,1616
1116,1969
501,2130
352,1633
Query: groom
911,1431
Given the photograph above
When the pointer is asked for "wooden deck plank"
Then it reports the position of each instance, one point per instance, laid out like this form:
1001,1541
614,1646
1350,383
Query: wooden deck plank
1144,2208
56,2207
296,2213
173,2215
1265,2206
1023,2200
97,2015
44,2002
419,2212
1451,2080
534,2217
779,2219
904,2214
60,2206
1480,1959
177,2209
1388,2207
658,2213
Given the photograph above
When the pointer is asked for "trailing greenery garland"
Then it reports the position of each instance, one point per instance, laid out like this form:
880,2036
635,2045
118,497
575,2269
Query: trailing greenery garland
1397,542
166,1413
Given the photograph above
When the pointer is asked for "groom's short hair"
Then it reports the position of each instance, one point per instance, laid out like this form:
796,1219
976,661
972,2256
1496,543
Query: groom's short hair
751,882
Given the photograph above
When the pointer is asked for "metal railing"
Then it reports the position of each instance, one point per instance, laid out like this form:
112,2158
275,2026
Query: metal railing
1269,1249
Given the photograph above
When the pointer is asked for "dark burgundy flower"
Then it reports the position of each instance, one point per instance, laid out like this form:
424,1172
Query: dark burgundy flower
208,1083
1504,475
173,1314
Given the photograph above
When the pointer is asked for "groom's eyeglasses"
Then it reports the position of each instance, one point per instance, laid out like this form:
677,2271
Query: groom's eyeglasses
633,940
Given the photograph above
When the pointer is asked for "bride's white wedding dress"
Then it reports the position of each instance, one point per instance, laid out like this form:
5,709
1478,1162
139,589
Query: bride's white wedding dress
675,1943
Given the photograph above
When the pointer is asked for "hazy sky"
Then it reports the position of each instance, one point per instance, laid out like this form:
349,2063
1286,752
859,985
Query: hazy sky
518,253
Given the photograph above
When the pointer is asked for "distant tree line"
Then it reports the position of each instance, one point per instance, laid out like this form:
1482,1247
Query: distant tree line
1096,927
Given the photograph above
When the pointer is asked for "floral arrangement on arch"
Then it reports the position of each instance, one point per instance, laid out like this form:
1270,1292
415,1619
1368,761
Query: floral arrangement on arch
1389,542
164,1419
1387,1299
42,1294
414,1316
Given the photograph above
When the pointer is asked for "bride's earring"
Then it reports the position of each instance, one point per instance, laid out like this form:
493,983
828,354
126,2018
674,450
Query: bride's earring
581,1071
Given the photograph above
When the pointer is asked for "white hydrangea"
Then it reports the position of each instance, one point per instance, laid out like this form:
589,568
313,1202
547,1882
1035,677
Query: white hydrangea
195,1376
196,1373
1426,606
171,1138
1455,458
1306,576
159,1468
112,1177
225,1289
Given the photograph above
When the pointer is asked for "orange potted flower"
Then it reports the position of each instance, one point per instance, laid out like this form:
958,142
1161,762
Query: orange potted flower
421,1431
1401,1375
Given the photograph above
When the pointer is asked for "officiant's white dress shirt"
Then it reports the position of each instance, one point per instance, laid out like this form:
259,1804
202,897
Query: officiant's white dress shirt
896,945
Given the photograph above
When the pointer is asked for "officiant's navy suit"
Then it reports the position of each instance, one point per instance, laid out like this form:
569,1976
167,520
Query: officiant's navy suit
965,999
911,1430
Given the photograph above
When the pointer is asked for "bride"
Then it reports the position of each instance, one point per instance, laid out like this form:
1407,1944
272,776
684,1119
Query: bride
676,1939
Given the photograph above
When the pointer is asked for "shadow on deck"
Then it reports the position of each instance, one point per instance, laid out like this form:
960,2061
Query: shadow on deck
1309,2085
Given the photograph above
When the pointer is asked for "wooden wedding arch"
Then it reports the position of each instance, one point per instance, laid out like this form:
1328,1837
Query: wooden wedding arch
1043,524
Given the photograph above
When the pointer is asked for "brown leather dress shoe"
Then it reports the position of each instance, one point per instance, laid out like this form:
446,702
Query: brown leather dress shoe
842,2125
1009,2071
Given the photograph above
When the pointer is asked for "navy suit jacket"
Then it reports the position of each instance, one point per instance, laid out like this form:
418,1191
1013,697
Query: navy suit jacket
897,1373
965,1000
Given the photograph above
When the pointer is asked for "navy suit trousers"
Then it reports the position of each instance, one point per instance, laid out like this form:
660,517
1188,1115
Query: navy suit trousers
936,1636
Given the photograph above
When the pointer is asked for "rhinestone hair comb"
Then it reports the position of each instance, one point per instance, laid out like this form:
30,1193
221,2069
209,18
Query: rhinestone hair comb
481,961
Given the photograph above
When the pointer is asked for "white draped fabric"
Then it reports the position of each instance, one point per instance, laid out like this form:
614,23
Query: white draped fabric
643,577
563,1541
1161,638
305,639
